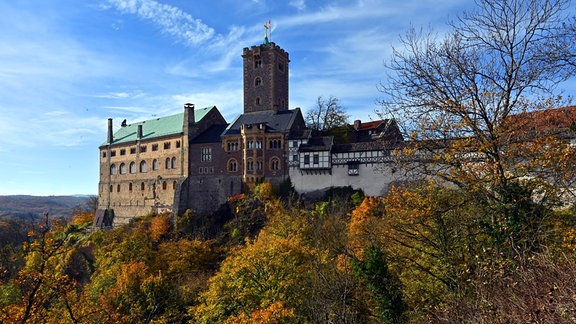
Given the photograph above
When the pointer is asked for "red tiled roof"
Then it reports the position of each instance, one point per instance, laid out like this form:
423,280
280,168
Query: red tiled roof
549,120
370,125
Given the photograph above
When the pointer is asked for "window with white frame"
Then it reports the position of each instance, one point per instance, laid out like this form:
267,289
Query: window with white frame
206,154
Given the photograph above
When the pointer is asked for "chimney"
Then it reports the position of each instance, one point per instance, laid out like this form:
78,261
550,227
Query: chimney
110,134
357,124
139,134
188,117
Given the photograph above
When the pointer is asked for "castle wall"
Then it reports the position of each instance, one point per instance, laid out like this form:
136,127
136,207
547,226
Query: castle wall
374,179
206,193
139,177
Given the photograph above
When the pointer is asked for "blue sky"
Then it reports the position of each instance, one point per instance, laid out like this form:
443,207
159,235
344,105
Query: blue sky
67,65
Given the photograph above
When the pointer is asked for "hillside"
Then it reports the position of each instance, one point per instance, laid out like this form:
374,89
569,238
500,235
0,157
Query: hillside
422,254
34,207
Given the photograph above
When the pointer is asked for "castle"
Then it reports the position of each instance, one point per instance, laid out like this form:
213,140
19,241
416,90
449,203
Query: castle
196,160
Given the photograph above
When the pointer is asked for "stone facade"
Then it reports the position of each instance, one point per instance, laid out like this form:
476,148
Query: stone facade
142,176
143,165
265,78
196,160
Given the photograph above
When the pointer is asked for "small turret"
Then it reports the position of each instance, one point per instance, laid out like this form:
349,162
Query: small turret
189,119
110,134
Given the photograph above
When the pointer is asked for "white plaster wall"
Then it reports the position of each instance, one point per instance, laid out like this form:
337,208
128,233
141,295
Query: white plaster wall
374,179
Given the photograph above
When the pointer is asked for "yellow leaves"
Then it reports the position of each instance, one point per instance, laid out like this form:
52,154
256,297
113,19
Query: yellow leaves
264,191
82,217
569,239
34,260
260,279
363,225
130,276
159,227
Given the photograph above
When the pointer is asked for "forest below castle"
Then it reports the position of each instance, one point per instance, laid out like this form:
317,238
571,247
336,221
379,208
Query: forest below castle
481,229
423,253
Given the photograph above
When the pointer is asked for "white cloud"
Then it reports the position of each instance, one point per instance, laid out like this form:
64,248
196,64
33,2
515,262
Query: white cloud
169,19
122,95
229,100
298,4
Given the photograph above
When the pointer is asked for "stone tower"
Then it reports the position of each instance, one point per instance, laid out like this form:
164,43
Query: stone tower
265,78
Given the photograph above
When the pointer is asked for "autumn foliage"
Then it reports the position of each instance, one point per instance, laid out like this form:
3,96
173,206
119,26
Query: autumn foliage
423,253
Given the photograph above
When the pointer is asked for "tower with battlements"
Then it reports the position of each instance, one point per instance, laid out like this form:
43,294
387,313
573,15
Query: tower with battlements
265,78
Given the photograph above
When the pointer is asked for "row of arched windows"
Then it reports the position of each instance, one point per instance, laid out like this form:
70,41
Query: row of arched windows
274,165
251,144
142,186
123,168
275,144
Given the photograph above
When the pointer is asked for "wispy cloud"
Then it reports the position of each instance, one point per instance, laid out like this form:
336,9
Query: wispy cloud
229,100
183,28
122,95
52,128
298,4
171,20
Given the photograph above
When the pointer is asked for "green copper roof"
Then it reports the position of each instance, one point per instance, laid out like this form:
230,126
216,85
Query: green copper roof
154,128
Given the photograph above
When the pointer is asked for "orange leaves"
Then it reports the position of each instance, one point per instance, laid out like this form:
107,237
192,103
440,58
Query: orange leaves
273,314
160,226
130,277
82,217
363,228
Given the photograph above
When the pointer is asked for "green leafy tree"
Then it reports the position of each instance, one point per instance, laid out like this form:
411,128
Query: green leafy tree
385,287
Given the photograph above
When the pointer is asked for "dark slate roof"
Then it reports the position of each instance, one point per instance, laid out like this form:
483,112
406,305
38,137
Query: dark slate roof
366,146
280,121
301,133
323,143
211,135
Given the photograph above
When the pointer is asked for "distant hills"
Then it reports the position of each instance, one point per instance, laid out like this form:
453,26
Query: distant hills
34,207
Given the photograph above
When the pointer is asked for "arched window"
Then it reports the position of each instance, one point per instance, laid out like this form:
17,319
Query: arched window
275,144
111,188
257,81
143,167
274,164
258,101
167,163
118,188
113,169
250,165
130,186
174,185
132,167
122,168
258,165
154,165
164,185
142,186
174,163
233,146
232,165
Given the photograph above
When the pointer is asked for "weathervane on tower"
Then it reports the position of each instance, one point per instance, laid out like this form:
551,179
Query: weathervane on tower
267,26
